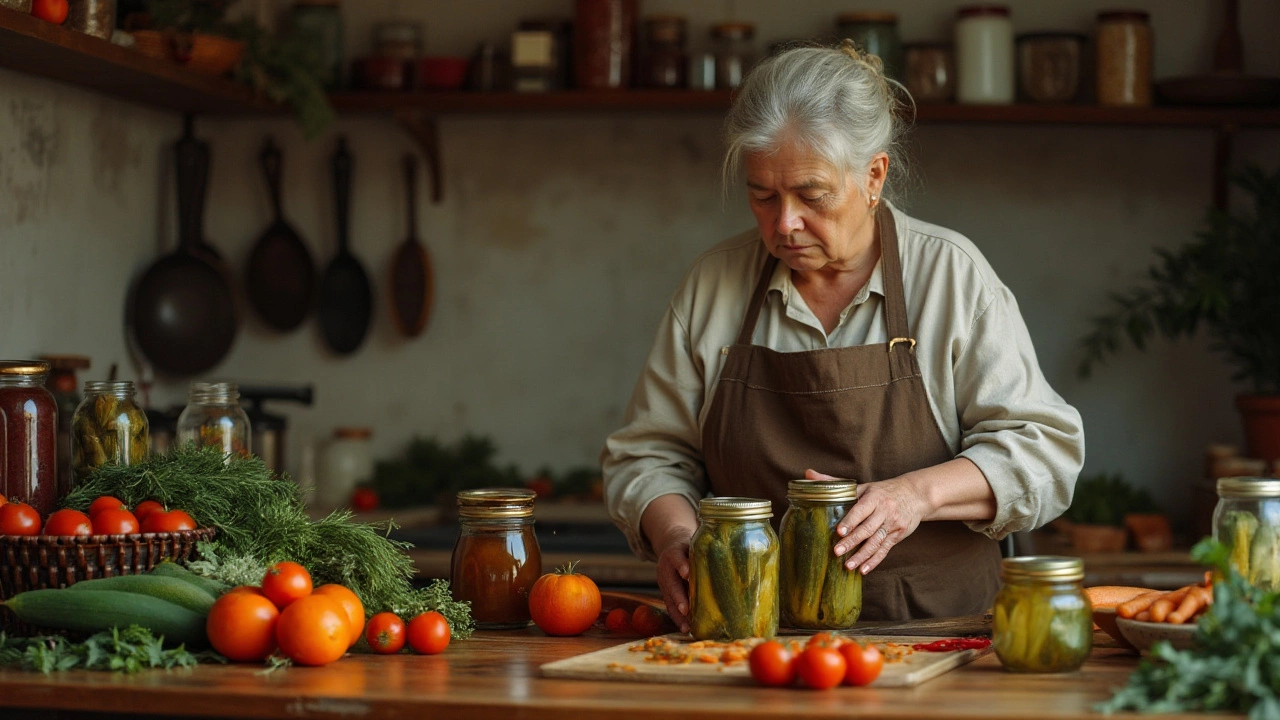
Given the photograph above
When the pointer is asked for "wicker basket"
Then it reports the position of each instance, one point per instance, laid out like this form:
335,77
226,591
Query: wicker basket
37,562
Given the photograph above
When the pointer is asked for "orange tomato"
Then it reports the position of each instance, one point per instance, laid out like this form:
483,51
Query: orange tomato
106,502
246,589
351,605
54,11
313,630
618,620
429,633
862,663
242,626
286,582
564,602
820,667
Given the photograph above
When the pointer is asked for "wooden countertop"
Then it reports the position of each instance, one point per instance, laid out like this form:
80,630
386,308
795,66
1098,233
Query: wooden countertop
495,675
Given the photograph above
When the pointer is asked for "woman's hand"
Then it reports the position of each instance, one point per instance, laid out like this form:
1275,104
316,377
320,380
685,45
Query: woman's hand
885,513
668,523
673,580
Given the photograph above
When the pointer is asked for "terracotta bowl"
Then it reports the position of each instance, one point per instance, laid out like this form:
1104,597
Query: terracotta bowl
1143,635
1105,618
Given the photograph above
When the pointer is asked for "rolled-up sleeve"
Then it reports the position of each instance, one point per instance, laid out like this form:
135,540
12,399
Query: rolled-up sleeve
1027,440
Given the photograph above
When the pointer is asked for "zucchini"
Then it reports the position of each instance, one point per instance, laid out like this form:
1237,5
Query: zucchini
172,569
172,590
91,611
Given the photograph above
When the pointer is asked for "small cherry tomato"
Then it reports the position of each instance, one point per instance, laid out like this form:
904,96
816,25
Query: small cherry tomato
772,664
286,582
385,633
54,11
19,519
648,622
364,499
106,502
820,667
68,522
115,522
862,663
618,620
145,508
429,633
168,521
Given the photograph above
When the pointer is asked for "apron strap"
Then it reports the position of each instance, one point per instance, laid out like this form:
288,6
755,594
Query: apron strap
895,301
757,301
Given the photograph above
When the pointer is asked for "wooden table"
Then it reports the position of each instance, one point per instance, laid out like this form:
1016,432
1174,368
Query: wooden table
495,675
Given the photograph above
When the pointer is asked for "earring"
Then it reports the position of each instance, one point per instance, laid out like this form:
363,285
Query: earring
873,201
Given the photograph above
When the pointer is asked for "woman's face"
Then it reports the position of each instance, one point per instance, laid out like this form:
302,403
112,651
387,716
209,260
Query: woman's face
812,215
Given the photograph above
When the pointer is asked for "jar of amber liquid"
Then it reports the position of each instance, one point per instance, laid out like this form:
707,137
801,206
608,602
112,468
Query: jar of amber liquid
1043,622
496,560
816,590
733,570
28,436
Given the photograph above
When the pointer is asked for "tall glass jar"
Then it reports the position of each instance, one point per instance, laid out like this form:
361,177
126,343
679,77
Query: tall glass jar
930,74
984,55
816,590
1124,58
664,63
108,427
875,33
321,22
1247,521
1043,622
733,44
496,560
344,463
733,570
29,417
214,418
603,33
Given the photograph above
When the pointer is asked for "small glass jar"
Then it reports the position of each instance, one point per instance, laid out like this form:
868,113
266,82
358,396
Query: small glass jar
344,463
92,17
665,61
1049,66
398,39
29,441
1247,521
1043,622
733,570
1124,58
875,33
603,31
984,55
816,590
65,387
930,74
321,22
733,45
108,427
214,418
496,560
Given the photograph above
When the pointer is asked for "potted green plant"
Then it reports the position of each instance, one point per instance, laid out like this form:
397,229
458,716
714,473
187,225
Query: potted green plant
1100,508
1227,281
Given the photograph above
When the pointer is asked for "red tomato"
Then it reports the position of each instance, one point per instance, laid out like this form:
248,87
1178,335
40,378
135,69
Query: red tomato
171,521
364,499
351,605
115,522
820,667
385,633
564,602
824,639
771,664
313,630
68,522
242,626
54,11
429,633
3,500
286,582
19,519
862,663
648,622
106,502
618,620
145,508
540,485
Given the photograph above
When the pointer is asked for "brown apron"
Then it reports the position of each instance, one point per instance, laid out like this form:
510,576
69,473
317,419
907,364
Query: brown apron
856,412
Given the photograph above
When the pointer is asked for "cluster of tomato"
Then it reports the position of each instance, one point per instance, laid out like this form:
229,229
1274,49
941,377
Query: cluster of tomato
107,516
823,662
643,621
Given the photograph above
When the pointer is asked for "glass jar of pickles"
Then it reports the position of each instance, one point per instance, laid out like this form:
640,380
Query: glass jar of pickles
496,559
1247,521
816,591
1043,622
733,570
213,418
108,426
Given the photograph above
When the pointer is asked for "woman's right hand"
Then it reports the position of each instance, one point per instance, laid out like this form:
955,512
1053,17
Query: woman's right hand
668,523
673,581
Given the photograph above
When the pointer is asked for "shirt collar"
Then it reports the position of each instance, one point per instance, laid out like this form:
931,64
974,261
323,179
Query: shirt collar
781,281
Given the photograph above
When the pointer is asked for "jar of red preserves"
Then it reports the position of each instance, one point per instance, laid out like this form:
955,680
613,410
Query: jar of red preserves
496,560
29,417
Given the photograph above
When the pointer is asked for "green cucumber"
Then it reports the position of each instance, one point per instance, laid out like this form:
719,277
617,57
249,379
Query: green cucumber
168,589
91,611
174,570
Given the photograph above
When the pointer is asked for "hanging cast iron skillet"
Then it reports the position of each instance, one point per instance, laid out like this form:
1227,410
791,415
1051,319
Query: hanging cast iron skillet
182,310
346,301
412,284
280,276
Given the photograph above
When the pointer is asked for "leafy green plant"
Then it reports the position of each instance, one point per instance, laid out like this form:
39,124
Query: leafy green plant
432,472
128,650
1225,280
1104,499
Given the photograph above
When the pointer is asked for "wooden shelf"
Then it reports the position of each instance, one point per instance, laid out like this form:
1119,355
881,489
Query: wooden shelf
30,45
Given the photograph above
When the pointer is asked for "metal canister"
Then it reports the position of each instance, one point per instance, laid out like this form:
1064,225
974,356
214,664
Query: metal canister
816,591
733,570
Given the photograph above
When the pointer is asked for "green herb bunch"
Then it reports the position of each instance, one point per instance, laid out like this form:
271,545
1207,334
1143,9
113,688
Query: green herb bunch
130,650
261,520
1235,663
432,472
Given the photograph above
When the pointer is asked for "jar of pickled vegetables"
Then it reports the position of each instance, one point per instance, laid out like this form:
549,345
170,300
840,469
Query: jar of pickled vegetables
108,426
496,560
816,591
1043,622
733,570
1247,521
213,418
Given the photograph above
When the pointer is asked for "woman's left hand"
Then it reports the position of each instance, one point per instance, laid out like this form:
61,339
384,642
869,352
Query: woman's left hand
886,512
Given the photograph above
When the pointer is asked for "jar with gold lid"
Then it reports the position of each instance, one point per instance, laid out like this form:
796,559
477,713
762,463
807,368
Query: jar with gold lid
1124,58
1247,521
28,435
1043,622
496,559
108,427
816,591
213,417
733,570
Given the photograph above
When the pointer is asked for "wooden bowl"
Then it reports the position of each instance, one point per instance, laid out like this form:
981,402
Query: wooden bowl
1143,635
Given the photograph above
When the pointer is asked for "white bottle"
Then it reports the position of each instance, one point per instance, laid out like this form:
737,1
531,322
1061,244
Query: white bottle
344,462
984,55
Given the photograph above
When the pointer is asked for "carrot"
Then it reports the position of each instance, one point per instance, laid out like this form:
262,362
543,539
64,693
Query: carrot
1164,605
1105,596
1137,605
1144,616
1196,600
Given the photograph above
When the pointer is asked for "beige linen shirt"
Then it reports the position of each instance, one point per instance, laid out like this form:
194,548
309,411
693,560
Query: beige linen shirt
985,387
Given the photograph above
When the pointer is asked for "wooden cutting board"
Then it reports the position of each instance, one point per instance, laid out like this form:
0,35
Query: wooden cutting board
621,663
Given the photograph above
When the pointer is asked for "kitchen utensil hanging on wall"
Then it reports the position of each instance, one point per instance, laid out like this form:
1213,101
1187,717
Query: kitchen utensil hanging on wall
280,275
346,301
412,279
181,309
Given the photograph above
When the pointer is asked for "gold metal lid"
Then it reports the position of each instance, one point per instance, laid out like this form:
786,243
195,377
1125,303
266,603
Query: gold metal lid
1054,568
733,30
823,490
495,503
24,367
1248,487
734,508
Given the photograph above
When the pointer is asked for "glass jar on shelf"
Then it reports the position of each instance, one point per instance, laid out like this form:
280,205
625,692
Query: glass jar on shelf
344,463
214,418
320,21
665,62
875,33
930,71
984,55
65,387
108,427
603,32
1042,621
29,441
816,590
92,17
1124,56
496,559
734,47
1049,66
1247,520
733,570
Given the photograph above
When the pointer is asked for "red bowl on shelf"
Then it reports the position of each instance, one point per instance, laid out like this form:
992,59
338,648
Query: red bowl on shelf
440,73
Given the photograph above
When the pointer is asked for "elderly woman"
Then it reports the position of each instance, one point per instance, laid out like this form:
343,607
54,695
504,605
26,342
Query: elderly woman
842,338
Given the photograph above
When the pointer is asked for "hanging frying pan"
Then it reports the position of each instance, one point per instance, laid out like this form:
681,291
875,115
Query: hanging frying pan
280,276
346,301
412,284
